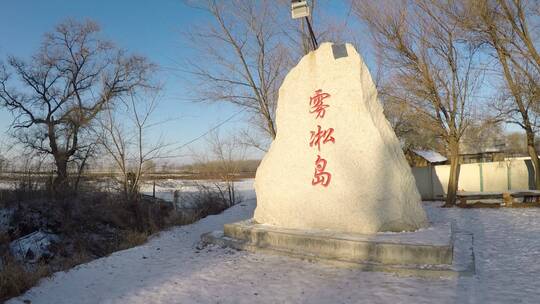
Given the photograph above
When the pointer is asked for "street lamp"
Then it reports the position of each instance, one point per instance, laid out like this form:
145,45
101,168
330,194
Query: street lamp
300,9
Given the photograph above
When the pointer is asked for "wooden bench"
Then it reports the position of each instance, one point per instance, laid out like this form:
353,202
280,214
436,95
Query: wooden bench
463,197
529,196
507,197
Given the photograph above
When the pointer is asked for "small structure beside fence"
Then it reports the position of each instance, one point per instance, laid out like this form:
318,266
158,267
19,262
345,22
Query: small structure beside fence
499,176
424,158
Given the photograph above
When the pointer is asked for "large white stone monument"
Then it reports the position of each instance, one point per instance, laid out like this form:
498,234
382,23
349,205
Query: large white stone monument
336,163
335,179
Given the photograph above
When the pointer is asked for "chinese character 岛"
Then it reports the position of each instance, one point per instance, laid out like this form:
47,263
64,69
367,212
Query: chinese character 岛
320,176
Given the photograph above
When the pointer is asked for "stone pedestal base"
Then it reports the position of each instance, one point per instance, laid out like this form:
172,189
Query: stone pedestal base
433,252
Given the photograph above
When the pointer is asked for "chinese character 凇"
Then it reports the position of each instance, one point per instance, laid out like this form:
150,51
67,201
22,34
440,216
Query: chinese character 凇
320,176
321,136
317,103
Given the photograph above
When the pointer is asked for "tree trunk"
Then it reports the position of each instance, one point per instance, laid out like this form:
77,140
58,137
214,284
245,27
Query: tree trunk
454,174
531,149
60,182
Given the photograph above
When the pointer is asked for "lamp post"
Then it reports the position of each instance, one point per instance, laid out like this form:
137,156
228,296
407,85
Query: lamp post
300,9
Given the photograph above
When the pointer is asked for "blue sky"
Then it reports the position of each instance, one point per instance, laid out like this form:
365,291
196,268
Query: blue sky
153,29
150,28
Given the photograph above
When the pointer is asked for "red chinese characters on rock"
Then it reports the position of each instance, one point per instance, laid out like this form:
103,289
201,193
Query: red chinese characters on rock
320,137
317,103
321,177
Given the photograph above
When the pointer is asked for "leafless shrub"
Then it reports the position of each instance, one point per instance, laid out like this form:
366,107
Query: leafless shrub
222,162
210,199
123,134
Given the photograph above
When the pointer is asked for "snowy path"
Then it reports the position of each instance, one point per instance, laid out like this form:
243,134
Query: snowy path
170,269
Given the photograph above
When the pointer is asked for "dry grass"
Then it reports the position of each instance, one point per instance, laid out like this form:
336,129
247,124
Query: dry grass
16,278
91,224
131,239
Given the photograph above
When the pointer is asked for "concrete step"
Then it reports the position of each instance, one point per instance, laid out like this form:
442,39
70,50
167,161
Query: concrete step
428,252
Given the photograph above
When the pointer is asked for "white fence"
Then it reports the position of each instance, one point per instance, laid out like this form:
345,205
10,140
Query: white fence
510,174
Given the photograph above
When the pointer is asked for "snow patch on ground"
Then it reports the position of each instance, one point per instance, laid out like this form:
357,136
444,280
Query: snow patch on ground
7,185
165,188
170,268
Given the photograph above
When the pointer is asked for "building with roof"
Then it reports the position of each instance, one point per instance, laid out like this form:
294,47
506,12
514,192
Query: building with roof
424,158
490,154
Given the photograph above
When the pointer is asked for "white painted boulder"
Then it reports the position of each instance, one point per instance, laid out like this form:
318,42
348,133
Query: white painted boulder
335,164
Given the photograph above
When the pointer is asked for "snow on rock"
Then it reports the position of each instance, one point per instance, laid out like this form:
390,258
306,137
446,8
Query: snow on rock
32,247
336,162
171,268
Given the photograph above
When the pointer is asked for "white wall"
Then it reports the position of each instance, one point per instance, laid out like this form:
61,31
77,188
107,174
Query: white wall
424,181
511,174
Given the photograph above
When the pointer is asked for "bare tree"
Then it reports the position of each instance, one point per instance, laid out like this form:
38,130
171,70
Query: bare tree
483,135
516,144
123,134
221,162
433,70
81,159
57,93
404,120
245,52
244,58
227,155
4,163
28,163
505,29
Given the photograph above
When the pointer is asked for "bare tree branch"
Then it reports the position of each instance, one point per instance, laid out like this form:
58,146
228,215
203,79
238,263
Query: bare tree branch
65,85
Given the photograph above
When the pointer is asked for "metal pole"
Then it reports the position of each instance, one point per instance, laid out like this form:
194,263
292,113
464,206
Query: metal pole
481,171
312,35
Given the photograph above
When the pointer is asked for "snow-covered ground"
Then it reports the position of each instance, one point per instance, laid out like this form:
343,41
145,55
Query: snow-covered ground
7,185
170,268
165,188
